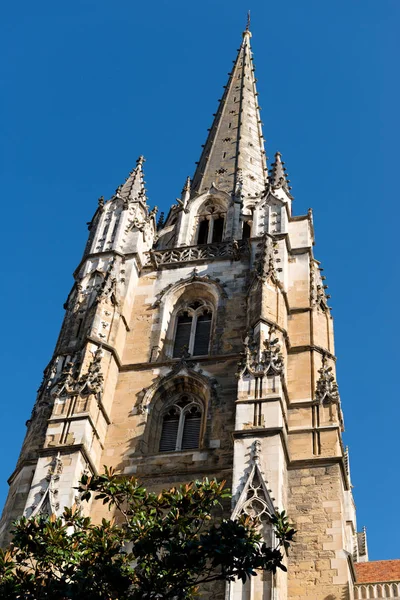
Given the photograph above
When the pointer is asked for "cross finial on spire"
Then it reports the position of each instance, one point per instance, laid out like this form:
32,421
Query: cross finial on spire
248,21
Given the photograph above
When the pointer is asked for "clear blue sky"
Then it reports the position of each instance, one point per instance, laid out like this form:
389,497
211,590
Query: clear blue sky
89,85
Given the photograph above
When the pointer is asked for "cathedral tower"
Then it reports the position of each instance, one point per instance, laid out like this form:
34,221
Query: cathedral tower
204,349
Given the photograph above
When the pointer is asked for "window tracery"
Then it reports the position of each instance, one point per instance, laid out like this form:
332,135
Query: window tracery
181,425
210,223
193,329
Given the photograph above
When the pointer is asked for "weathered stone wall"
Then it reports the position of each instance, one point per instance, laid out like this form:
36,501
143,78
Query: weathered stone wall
318,564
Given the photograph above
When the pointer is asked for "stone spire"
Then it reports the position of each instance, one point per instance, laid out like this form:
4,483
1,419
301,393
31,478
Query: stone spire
278,175
233,158
133,189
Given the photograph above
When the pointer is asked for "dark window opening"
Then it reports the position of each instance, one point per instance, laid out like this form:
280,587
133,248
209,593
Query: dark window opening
246,230
79,327
202,236
218,229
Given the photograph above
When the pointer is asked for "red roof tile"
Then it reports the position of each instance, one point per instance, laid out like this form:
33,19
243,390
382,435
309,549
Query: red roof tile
378,571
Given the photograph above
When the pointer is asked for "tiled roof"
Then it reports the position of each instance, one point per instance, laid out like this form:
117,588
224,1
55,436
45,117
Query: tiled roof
377,571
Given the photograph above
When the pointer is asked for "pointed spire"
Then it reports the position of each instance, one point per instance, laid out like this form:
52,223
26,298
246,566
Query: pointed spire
248,21
133,189
233,157
278,175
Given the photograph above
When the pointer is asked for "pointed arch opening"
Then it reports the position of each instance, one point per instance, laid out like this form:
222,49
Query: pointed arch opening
193,328
211,220
188,316
255,501
246,234
177,414
181,424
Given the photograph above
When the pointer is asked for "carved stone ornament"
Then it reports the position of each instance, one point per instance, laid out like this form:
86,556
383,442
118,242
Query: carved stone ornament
327,389
183,366
318,295
255,499
239,183
265,268
91,382
193,277
48,504
232,250
109,287
259,363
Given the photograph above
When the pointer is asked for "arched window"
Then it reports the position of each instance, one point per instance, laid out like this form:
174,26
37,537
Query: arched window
193,329
211,223
181,425
246,230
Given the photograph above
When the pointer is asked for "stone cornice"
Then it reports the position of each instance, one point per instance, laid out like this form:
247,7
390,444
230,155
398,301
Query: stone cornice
272,398
107,347
183,474
257,432
50,451
316,428
320,461
69,449
96,255
311,348
81,417
212,358
24,463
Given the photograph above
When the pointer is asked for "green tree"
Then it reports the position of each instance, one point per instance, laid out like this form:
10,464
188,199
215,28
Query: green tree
160,545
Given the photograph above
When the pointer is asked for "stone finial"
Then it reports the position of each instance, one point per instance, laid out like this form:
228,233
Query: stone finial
256,451
186,187
265,268
318,295
160,223
133,189
278,175
248,21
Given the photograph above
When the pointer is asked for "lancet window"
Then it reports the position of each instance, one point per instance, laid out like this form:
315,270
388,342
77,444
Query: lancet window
246,230
181,425
211,224
193,329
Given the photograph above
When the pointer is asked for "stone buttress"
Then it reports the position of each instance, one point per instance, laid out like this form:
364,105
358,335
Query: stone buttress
204,348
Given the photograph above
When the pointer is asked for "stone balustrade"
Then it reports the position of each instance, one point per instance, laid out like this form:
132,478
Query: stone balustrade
233,250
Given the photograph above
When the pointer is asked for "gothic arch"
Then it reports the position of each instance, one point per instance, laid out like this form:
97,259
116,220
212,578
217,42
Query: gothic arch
163,393
195,287
189,220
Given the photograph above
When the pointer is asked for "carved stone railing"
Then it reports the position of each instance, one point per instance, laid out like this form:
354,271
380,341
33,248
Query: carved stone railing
390,589
232,250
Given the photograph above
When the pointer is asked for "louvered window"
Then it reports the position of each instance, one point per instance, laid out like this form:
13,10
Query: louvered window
202,335
182,334
181,426
193,330
169,432
191,428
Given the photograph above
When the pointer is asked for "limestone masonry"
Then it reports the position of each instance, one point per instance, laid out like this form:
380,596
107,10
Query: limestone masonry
205,347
